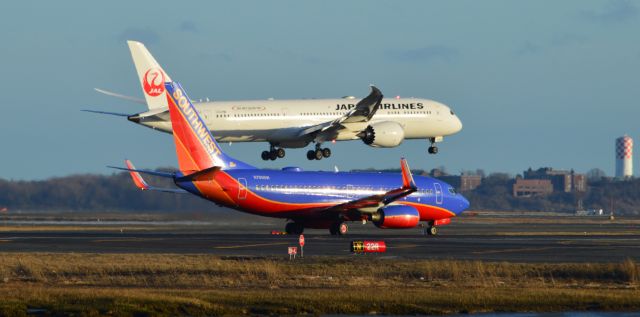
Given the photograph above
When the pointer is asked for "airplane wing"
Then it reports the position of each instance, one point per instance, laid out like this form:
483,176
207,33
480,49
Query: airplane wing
361,113
408,187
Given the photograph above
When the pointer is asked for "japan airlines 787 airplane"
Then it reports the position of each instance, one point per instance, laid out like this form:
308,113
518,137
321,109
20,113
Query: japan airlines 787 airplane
377,121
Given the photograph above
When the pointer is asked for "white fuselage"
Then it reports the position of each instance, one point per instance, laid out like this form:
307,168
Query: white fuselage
281,121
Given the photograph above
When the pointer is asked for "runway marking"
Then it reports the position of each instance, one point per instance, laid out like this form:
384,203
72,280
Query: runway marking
5,240
251,245
406,246
569,233
127,240
511,250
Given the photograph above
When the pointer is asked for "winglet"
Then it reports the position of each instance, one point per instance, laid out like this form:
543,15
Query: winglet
407,177
137,179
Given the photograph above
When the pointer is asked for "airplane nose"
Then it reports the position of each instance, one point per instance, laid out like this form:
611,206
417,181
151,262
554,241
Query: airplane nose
457,125
464,204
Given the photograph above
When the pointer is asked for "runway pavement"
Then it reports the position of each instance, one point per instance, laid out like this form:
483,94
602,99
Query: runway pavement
524,242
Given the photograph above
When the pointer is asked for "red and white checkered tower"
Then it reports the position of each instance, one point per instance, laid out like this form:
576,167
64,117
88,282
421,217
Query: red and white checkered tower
624,157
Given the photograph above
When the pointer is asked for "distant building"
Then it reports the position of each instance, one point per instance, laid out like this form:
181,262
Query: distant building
532,187
624,157
562,181
463,183
437,173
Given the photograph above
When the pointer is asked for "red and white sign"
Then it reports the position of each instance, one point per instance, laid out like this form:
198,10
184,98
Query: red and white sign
375,246
293,250
368,246
153,82
301,240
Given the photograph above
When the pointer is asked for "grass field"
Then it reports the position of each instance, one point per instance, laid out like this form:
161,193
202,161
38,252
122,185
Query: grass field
169,284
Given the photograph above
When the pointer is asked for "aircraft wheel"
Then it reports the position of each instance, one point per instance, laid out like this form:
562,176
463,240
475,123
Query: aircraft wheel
318,154
433,150
343,228
265,155
326,152
339,228
294,228
280,152
432,231
311,155
288,228
273,155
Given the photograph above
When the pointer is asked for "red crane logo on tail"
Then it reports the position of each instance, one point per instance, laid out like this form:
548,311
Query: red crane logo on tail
153,82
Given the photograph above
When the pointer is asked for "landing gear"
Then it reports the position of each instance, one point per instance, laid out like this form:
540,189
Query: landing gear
433,149
273,153
339,228
294,228
430,231
319,153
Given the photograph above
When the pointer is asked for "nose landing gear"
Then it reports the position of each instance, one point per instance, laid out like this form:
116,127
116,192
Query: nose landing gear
433,149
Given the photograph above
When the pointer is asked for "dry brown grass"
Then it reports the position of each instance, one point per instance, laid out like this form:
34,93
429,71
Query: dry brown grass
170,284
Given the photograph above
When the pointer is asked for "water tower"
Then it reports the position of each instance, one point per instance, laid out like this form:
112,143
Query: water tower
624,157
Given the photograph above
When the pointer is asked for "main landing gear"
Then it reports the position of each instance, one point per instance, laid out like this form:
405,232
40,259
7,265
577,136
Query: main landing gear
273,153
294,228
339,228
319,153
433,149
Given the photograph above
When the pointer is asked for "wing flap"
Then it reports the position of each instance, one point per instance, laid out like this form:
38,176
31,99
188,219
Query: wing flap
361,113
408,187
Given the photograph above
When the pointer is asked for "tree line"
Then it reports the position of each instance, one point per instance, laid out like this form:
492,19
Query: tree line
89,192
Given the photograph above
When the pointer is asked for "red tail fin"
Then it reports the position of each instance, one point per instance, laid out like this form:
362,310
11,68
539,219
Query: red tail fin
195,146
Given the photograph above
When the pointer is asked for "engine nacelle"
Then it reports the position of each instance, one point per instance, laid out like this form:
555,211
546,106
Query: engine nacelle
383,134
396,217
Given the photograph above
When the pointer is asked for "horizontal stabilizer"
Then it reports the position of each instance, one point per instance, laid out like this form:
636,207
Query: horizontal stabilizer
142,184
107,112
154,173
198,174
120,96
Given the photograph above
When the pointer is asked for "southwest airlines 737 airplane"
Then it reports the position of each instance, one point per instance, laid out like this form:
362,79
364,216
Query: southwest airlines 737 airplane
376,121
308,199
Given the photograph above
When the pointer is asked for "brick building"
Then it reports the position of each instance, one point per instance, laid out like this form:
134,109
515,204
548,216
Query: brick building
562,181
532,187
463,183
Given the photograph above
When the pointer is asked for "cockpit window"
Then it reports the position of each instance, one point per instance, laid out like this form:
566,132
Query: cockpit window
452,191
452,112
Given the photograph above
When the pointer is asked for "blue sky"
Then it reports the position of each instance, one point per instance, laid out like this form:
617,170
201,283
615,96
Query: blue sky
537,83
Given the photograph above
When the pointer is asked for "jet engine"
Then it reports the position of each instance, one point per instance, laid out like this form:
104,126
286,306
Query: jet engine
383,134
396,217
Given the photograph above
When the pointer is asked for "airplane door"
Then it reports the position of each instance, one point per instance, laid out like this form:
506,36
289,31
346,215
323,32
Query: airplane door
242,188
439,195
